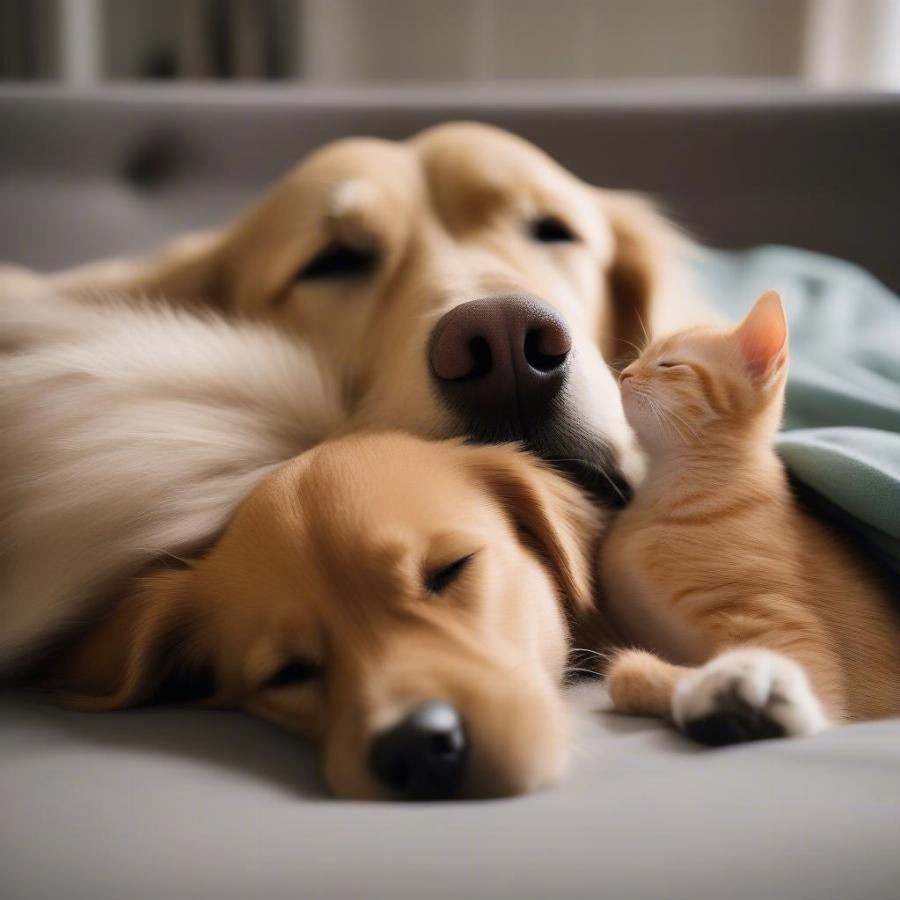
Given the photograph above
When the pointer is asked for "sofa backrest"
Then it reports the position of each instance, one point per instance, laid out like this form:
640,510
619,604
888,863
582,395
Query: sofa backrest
120,169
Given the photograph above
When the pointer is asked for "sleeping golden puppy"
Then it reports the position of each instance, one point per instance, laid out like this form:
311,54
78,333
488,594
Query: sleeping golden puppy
403,603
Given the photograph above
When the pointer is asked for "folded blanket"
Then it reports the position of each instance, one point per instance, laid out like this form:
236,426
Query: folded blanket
841,434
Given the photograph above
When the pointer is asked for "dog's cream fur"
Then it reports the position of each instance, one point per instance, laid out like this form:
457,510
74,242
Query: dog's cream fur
130,433
447,217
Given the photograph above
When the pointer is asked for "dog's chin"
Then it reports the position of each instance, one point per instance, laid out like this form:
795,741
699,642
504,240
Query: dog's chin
588,460
601,481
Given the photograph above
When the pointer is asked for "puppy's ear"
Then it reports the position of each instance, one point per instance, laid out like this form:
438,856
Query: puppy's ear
142,651
643,276
551,516
188,270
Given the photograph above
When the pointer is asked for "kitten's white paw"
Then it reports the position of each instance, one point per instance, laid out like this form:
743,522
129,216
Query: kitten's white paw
747,695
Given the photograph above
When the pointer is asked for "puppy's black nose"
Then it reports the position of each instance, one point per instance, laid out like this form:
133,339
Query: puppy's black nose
500,358
424,756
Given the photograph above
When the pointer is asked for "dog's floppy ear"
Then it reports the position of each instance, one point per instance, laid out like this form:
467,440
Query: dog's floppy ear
188,270
551,516
644,276
142,651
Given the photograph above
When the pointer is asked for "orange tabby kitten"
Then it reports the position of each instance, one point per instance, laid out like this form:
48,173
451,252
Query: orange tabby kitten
761,620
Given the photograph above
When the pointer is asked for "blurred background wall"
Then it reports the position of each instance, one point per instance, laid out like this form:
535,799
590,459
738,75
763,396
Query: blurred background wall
826,43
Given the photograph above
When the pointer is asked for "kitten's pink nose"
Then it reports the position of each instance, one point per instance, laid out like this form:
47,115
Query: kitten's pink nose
625,374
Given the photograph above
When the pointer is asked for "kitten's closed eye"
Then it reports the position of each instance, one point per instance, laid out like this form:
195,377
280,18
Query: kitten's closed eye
668,364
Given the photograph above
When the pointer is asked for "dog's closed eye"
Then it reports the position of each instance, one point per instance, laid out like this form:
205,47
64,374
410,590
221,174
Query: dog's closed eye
297,671
552,230
439,580
339,261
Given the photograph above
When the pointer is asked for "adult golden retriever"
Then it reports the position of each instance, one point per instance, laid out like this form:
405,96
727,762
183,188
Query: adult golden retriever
457,285
461,282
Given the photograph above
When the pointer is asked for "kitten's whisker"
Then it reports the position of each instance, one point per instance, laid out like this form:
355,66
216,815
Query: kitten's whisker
678,430
691,429
668,420
673,427
569,670
612,484
643,327
659,414
597,653
652,406
631,344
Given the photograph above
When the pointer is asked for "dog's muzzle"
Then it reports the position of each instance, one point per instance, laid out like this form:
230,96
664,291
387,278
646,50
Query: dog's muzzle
423,757
501,364
501,360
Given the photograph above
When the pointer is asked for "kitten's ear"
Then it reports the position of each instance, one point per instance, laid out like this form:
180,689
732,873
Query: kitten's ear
763,337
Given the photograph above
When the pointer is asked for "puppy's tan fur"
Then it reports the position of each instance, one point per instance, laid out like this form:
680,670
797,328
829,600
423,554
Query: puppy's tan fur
326,563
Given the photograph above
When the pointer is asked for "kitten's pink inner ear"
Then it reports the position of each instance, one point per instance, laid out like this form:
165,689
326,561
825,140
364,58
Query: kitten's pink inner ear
763,335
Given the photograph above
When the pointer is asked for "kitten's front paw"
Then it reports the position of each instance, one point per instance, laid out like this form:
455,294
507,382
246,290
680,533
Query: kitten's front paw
746,695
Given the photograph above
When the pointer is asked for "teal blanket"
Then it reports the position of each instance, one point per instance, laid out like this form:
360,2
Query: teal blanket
841,432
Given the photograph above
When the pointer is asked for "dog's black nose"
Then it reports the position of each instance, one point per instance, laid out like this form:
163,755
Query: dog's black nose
424,756
500,359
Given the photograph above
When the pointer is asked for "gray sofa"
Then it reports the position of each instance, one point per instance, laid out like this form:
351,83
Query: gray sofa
176,803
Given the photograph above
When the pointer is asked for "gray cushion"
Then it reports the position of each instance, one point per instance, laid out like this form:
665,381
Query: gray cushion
151,804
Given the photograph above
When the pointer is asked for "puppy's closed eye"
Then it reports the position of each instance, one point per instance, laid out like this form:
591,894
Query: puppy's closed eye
297,671
437,581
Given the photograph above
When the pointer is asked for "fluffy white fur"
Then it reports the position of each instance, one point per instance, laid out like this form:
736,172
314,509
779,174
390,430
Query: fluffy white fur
753,678
130,433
